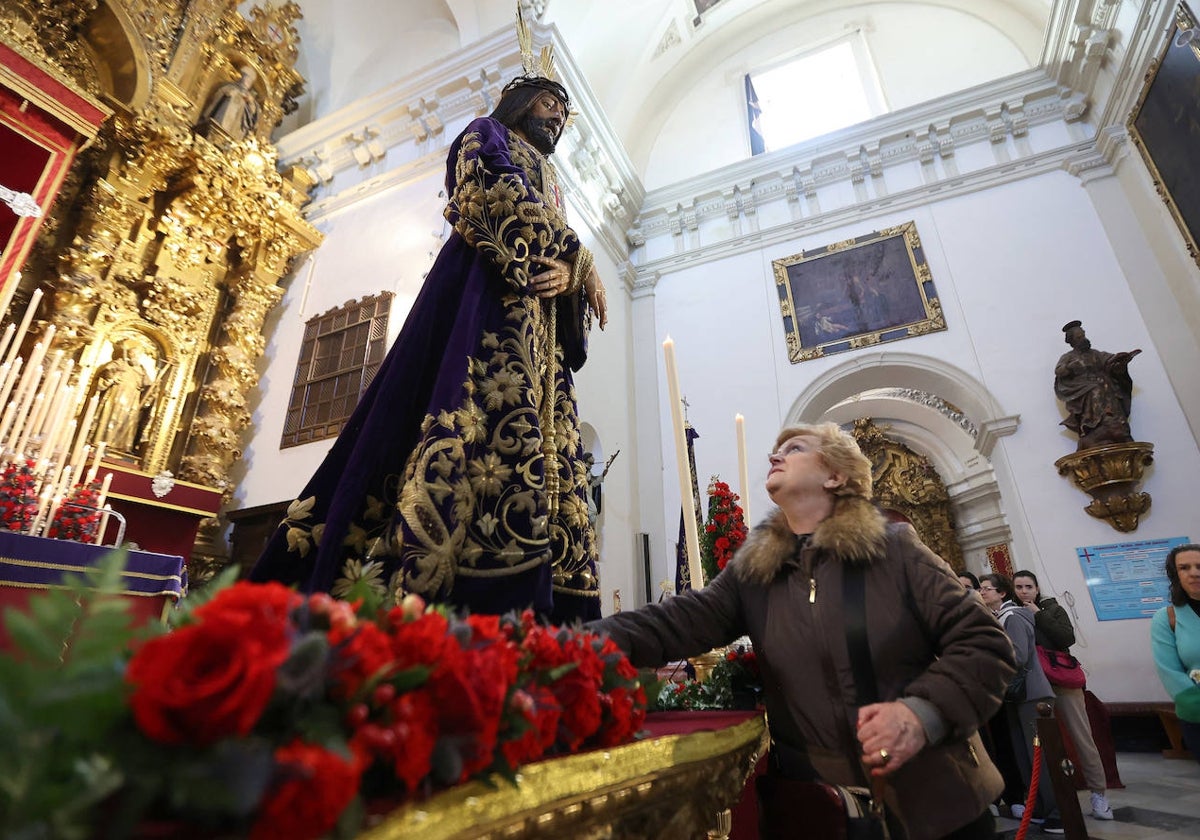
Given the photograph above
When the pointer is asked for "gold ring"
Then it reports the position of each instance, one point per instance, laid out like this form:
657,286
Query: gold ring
885,756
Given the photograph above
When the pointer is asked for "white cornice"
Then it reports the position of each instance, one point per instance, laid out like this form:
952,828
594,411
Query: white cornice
900,135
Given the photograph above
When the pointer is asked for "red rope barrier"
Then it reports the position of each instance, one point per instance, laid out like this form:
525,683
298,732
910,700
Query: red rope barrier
1031,797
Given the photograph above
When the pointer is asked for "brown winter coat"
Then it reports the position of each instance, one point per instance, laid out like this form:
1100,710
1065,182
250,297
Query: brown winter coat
929,638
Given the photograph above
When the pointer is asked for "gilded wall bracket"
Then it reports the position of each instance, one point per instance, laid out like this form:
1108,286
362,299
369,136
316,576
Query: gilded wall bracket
1112,475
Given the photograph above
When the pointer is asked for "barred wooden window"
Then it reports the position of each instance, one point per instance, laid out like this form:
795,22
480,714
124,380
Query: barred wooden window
341,353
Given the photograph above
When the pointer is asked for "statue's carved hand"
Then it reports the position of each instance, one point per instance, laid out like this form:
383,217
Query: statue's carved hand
597,296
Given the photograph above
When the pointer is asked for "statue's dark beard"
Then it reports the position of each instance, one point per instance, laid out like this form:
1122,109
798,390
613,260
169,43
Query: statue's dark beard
542,134
1083,344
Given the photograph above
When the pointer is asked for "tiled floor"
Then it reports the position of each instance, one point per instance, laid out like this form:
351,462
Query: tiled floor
1160,801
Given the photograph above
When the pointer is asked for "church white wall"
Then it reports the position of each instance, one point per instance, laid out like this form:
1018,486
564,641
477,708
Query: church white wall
921,53
1011,263
1151,249
381,244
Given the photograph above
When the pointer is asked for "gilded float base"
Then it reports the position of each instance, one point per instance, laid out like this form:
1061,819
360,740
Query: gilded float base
1112,475
705,662
675,787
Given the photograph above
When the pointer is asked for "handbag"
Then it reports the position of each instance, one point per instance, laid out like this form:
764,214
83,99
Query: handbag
1014,692
1062,669
818,810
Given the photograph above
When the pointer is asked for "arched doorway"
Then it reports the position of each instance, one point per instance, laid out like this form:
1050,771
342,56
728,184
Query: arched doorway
938,411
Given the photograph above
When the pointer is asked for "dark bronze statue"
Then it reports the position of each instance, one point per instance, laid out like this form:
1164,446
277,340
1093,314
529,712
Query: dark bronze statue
1096,388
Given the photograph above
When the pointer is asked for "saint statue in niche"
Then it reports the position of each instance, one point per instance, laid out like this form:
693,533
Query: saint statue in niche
124,386
233,107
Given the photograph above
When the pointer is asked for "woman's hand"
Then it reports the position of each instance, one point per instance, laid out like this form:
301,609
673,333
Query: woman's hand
554,280
890,734
596,296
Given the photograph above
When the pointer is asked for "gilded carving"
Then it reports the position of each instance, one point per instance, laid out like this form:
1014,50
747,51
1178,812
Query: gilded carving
162,233
907,483
1112,475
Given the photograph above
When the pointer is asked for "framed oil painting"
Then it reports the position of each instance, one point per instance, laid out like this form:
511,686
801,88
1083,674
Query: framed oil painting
1165,125
867,290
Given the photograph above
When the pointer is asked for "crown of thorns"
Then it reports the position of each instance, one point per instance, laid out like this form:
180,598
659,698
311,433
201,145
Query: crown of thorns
541,83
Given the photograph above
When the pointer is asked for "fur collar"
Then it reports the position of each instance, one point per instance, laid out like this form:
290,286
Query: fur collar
856,532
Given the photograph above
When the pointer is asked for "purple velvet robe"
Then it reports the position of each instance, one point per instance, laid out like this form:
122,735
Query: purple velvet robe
439,479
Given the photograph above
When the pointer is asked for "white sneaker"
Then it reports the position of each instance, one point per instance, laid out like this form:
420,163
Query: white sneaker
1101,810
1017,811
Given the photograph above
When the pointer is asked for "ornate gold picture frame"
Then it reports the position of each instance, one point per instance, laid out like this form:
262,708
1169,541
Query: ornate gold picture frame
863,291
1165,125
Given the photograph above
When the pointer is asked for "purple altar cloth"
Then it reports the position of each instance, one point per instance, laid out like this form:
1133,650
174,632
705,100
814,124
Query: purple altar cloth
38,562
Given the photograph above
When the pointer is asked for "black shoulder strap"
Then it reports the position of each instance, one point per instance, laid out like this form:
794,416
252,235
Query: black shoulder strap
854,592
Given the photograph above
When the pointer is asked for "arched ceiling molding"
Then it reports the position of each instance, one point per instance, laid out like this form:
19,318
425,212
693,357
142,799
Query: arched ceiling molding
1021,21
907,370
924,429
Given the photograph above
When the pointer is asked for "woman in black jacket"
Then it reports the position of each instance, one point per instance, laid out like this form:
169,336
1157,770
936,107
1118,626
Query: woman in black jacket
1053,631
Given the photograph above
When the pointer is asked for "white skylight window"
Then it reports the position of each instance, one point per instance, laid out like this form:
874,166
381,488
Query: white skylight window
816,93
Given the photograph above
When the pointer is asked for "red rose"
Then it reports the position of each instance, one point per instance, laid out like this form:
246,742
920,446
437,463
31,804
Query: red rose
313,786
204,682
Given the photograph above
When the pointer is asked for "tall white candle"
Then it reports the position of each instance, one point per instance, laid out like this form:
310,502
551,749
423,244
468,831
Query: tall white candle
54,447
23,398
8,334
30,310
59,490
6,296
687,497
44,498
91,476
10,411
11,378
55,504
743,467
99,540
81,434
43,412
22,441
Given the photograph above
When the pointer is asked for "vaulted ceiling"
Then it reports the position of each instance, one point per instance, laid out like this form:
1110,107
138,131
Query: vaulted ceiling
640,57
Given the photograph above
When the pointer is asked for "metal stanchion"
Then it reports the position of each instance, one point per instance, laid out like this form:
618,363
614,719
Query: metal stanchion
1062,773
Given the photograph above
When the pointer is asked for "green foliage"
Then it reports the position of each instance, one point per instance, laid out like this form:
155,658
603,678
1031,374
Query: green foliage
62,695
733,683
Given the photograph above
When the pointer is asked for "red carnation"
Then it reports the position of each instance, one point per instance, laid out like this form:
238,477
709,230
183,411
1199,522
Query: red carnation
312,789
362,652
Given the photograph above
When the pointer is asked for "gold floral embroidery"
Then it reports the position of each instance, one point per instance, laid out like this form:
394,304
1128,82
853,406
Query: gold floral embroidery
503,217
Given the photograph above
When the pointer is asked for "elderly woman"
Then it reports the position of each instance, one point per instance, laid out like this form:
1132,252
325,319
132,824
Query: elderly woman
1028,688
1175,640
938,659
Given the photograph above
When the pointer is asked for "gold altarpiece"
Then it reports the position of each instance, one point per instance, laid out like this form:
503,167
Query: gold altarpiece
169,234
907,483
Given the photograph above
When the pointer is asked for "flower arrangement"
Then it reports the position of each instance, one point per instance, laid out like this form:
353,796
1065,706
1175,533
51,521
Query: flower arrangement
734,683
77,519
725,530
272,714
18,495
